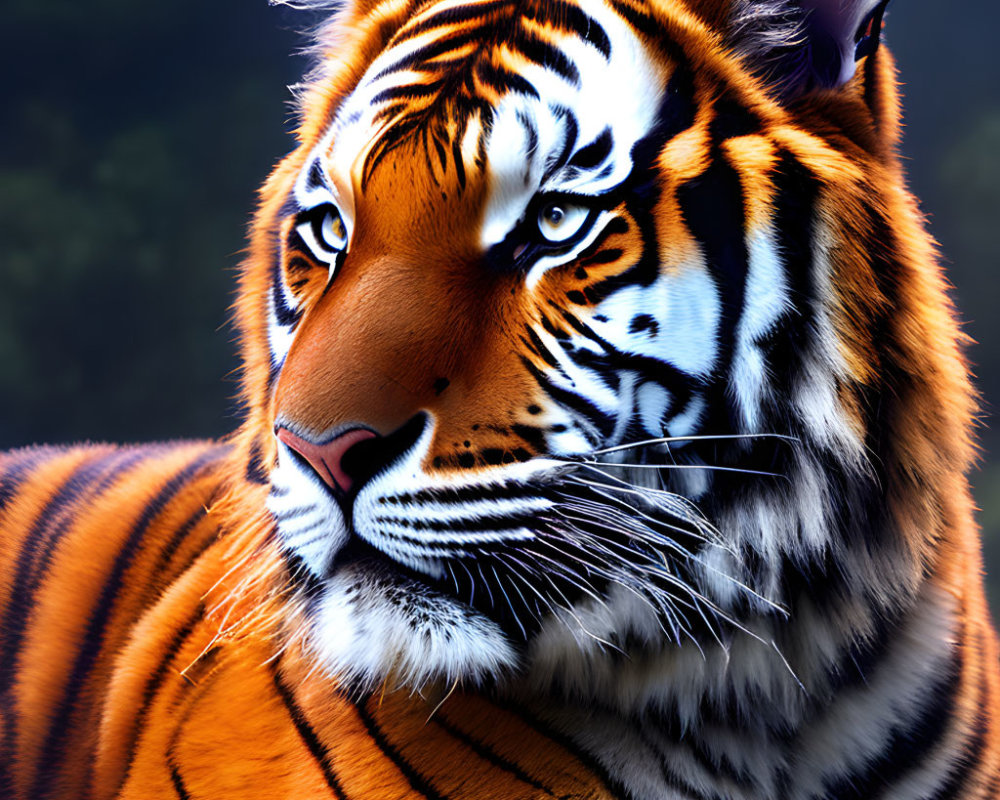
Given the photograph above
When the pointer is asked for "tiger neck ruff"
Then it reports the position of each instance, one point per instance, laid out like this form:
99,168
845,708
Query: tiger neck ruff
606,423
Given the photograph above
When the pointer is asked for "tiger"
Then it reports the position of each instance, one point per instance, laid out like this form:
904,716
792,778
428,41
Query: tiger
606,435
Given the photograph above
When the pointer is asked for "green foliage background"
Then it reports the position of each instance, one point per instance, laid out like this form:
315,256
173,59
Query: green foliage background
132,139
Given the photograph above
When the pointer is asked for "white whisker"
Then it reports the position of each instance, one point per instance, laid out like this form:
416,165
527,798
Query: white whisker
701,438
713,467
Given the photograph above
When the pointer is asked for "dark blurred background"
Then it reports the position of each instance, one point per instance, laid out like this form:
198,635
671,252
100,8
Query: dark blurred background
133,137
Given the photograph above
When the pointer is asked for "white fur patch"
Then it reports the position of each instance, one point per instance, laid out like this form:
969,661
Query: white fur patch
309,521
765,301
686,307
620,94
371,626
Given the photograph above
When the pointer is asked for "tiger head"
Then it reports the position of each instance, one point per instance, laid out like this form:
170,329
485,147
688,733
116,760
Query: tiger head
569,327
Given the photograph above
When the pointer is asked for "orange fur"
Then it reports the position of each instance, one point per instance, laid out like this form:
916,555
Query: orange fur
159,650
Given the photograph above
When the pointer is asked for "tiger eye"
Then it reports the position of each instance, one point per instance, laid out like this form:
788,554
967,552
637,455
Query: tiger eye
560,222
553,214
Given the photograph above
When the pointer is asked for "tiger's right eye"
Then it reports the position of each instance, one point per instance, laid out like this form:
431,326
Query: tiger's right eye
559,222
324,232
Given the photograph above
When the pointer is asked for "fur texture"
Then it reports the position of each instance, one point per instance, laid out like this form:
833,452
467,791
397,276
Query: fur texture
606,436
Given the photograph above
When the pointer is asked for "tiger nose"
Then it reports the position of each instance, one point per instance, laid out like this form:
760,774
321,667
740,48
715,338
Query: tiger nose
327,458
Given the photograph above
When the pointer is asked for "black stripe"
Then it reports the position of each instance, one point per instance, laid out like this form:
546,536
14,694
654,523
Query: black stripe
416,780
531,131
126,461
54,746
407,92
180,535
592,155
613,787
570,135
575,402
533,436
438,47
639,20
256,471
606,256
713,208
795,194
452,16
676,114
537,346
456,156
20,465
731,119
547,55
680,384
40,545
872,87
308,735
906,749
178,731
487,753
283,313
18,469
316,178
504,80
153,684
34,556
676,782
721,765
567,16
967,762
178,783
552,330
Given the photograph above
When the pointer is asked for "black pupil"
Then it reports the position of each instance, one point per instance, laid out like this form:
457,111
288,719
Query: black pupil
554,215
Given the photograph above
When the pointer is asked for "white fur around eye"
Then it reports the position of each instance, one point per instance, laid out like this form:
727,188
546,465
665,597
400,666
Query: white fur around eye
560,222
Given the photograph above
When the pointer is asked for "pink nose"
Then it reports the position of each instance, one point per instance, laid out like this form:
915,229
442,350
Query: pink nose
327,458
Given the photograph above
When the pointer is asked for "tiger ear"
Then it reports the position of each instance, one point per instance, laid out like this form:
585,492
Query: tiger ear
803,45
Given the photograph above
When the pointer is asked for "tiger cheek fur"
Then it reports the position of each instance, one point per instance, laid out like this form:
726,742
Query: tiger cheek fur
606,437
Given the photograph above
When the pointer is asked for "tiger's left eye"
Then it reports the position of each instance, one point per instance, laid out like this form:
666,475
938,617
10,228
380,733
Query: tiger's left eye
560,221
324,231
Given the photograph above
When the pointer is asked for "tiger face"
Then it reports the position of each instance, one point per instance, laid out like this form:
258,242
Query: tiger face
550,330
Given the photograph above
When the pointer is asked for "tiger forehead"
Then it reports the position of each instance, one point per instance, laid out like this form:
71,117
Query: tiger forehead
490,86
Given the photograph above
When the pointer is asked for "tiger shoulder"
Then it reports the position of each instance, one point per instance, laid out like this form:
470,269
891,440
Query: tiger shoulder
607,436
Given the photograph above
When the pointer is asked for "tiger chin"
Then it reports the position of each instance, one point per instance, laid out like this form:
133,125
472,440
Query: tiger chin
607,434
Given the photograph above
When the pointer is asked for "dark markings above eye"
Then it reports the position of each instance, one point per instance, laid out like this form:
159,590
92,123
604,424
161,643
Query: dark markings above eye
595,153
316,179
557,161
530,129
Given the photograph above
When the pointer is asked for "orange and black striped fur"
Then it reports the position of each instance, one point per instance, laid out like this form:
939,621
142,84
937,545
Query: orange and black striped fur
606,436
